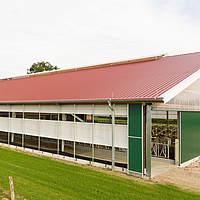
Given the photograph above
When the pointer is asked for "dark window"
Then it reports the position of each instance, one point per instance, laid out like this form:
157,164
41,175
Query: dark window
3,114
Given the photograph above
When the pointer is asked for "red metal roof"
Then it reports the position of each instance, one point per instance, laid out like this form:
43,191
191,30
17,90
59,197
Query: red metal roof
134,81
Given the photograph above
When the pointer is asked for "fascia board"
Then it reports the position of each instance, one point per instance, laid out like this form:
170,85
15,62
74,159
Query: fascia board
171,93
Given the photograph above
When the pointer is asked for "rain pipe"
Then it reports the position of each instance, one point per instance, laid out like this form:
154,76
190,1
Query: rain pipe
113,147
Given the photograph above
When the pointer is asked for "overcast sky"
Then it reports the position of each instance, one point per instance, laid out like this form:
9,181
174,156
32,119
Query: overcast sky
76,33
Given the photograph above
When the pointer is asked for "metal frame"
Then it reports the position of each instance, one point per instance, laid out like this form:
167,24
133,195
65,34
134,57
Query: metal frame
58,140
148,141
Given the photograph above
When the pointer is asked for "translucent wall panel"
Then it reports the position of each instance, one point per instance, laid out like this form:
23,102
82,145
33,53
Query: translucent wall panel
102,109
16,125
31,108
188,99
4,108
4,124
31,127
83,109
48,129
68,108
103,134
49,109
120,109
163,114
16,108
83,132
121,136
66,130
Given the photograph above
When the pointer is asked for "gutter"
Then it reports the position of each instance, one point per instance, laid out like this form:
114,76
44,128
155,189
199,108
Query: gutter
161,100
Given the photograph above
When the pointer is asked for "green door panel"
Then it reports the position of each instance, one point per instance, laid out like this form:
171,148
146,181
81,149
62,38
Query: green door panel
190,135
135,154
135,120
135,138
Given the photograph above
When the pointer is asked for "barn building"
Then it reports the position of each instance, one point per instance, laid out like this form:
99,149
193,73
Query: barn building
122,114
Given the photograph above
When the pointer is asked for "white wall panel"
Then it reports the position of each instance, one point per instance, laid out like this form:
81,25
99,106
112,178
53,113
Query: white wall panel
66,130
31,127
31,108
48,128
4,124
16,108
102,109
121,136
83,109
83,132
103,134
49,108
69,108
120,109
4,108
16,125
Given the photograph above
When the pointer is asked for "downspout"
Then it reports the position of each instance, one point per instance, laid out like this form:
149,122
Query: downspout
113,147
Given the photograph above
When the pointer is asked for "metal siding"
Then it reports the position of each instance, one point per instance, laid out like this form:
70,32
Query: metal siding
190,135
134,81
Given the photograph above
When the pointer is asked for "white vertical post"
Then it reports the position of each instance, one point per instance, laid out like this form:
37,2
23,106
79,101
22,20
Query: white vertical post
39,130
12,134
113,141
92,133
9,126
176,151
74,133
12,137
23,128
63,145
58,145
113,136
63,141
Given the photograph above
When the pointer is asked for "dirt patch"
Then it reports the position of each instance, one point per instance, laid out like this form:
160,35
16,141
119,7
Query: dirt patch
184,177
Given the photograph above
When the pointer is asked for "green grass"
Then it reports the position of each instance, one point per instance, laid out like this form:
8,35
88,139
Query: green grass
42,178
108,120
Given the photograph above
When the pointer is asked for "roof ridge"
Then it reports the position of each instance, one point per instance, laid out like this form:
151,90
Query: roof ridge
110,64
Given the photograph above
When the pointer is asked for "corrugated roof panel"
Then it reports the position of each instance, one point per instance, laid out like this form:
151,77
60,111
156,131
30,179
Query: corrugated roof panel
145,80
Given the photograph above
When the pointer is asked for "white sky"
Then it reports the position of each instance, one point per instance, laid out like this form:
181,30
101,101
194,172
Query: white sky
73,33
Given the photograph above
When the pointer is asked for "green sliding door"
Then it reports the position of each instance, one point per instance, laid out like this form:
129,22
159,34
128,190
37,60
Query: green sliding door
190,135
135,138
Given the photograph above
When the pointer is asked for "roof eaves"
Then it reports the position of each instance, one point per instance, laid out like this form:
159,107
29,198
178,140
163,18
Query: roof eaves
171,93
86,101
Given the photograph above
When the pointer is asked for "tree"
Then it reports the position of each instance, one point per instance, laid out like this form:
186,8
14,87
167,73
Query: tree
40,67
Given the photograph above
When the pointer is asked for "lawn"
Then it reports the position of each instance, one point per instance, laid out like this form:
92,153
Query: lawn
37,177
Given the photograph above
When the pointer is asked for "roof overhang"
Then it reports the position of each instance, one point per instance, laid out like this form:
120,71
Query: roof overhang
171,93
